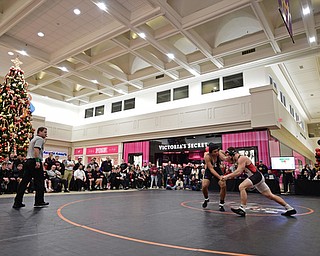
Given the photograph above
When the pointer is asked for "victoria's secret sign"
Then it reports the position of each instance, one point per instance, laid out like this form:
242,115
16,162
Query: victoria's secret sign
197,145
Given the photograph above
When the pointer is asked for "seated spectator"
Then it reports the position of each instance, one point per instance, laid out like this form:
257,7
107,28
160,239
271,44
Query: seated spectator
5,175
171,183
179,184
114,178
142,180
271,176
195,184
57,180
89,178
123,179
12,176
47,182
317,177
306,172
132,179
80,178
98,178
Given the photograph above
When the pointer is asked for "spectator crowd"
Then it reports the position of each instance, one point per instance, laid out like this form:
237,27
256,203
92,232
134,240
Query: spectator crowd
74,175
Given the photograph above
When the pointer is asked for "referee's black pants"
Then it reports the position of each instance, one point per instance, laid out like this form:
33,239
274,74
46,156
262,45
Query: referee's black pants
38,179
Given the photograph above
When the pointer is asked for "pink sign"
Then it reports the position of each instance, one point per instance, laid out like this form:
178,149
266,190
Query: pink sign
78,151
102,150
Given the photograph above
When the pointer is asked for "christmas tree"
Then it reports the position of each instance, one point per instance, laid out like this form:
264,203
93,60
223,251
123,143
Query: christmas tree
15,116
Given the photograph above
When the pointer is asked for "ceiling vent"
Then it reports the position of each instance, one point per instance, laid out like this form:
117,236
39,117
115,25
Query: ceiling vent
160,76
248,51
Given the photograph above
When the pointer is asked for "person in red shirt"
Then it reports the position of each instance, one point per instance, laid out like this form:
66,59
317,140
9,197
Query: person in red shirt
154,175
255,179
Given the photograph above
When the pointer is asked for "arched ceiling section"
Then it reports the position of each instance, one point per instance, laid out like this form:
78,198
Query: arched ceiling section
236,26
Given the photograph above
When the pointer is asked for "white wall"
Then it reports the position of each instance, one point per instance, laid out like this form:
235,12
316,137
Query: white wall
54,110
145,100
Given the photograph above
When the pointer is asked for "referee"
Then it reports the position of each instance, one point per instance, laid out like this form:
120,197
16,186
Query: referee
33,169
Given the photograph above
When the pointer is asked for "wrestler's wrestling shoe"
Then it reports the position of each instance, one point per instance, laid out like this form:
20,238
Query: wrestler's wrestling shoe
221,208
42,204
289,212
239,211
205,203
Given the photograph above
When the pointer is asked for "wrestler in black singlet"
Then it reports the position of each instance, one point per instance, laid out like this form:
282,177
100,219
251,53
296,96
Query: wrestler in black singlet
216,166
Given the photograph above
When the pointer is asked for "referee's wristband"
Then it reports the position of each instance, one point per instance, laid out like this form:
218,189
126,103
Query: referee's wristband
38,160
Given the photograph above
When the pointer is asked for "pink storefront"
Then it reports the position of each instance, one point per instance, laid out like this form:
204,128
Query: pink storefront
99,152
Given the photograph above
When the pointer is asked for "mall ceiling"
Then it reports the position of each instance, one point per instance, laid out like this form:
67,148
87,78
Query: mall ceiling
130,45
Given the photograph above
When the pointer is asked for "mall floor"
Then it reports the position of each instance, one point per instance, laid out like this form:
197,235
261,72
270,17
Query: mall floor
157,222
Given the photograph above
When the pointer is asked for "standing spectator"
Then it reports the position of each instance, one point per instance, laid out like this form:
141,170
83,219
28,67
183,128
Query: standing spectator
33,169
76,166
145,167
160,178
123,165
68,172
287,180
154,175
60,164
50,160
262,168
169,169
186,174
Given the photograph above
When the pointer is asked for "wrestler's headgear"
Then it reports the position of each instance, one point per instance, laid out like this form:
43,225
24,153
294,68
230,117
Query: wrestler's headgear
212,147
231,151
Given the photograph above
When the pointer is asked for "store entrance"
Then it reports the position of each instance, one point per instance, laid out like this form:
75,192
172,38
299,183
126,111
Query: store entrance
135,159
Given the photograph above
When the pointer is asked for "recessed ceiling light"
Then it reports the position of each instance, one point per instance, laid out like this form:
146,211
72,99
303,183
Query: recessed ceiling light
94,81
102,6
63,69
306,10
142,35
77,11
41,34
170,56
312,39
11,53
23,52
